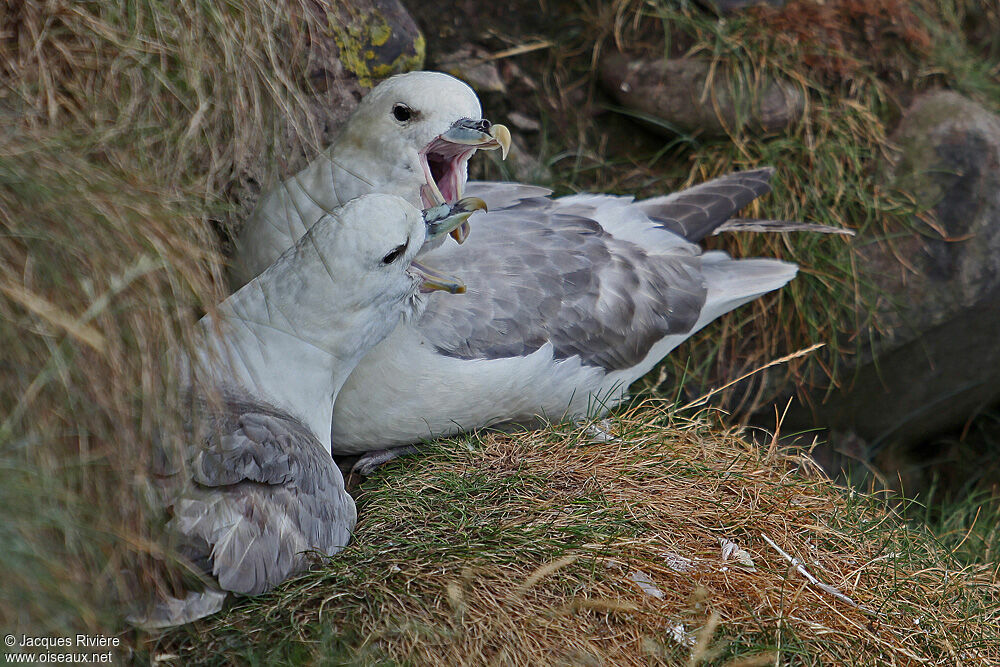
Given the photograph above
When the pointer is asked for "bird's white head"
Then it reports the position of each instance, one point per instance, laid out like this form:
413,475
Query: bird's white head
369,251
412,136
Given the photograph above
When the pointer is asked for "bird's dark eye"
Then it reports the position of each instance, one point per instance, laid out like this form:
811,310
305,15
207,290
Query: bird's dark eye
402,113
395,254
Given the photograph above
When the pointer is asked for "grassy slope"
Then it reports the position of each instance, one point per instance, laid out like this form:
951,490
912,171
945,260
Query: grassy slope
108,184
520,550
124,124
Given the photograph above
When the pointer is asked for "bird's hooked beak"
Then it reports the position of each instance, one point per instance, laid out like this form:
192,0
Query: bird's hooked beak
481,134
445,161
440,220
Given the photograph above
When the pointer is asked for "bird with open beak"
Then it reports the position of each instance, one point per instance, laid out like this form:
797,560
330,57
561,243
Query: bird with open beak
256,487
569,299
411,136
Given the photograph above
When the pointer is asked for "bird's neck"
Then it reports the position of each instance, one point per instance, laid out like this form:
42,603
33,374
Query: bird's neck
355,169
287,338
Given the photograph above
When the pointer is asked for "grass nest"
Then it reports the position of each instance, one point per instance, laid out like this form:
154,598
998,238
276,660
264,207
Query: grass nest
652,539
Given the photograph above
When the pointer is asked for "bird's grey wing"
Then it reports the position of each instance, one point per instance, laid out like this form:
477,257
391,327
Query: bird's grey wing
265,490
268,448
696,212
501,195
536,275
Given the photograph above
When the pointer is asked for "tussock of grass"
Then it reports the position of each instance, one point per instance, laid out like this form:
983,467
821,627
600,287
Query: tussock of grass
520,550
124,125
99,273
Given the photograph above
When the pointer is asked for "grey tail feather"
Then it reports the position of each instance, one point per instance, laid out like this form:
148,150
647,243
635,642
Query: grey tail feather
696,212
734,282
774,226
168,612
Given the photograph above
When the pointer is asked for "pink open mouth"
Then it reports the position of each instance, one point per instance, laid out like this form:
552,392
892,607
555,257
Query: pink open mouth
445,167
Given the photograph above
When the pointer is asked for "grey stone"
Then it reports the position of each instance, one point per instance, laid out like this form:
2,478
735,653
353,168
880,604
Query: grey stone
675,97
473,65
937,361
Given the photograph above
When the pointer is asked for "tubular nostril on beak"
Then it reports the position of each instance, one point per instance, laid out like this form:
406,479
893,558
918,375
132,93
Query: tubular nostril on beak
483,125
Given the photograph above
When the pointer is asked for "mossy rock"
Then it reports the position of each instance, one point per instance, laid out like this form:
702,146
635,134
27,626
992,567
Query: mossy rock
376,39
936,362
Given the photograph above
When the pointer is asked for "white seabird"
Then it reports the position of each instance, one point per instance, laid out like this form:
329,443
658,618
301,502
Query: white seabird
261,487
411,136
569,301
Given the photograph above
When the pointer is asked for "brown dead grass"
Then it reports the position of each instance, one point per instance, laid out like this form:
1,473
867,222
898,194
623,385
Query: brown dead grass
838,39
522,552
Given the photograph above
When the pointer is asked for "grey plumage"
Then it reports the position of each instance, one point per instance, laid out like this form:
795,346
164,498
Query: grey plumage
505,195
571,284
706,209
255,491
569,301
777,226
696,212
263,491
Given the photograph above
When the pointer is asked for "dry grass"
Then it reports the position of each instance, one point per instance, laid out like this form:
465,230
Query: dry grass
126,128
99,272
522,550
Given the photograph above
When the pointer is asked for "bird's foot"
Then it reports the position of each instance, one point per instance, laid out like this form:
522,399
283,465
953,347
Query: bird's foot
373,460
167,611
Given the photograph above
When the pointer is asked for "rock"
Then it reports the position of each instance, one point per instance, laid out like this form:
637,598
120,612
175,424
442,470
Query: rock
376,39
937,362
674,95
523,122
472,65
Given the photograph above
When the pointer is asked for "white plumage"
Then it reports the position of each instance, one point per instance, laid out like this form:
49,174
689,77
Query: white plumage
500,353
375,152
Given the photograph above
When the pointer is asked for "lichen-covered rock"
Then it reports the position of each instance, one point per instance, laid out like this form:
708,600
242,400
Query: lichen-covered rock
676,97
376,38
937,360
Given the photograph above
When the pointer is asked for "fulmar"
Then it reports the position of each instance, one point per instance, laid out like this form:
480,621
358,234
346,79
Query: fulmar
256,486
411,136
569,299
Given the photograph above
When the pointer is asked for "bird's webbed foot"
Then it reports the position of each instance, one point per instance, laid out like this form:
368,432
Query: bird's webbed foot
373,460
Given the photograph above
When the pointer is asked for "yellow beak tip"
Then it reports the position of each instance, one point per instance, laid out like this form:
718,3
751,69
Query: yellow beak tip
502,136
